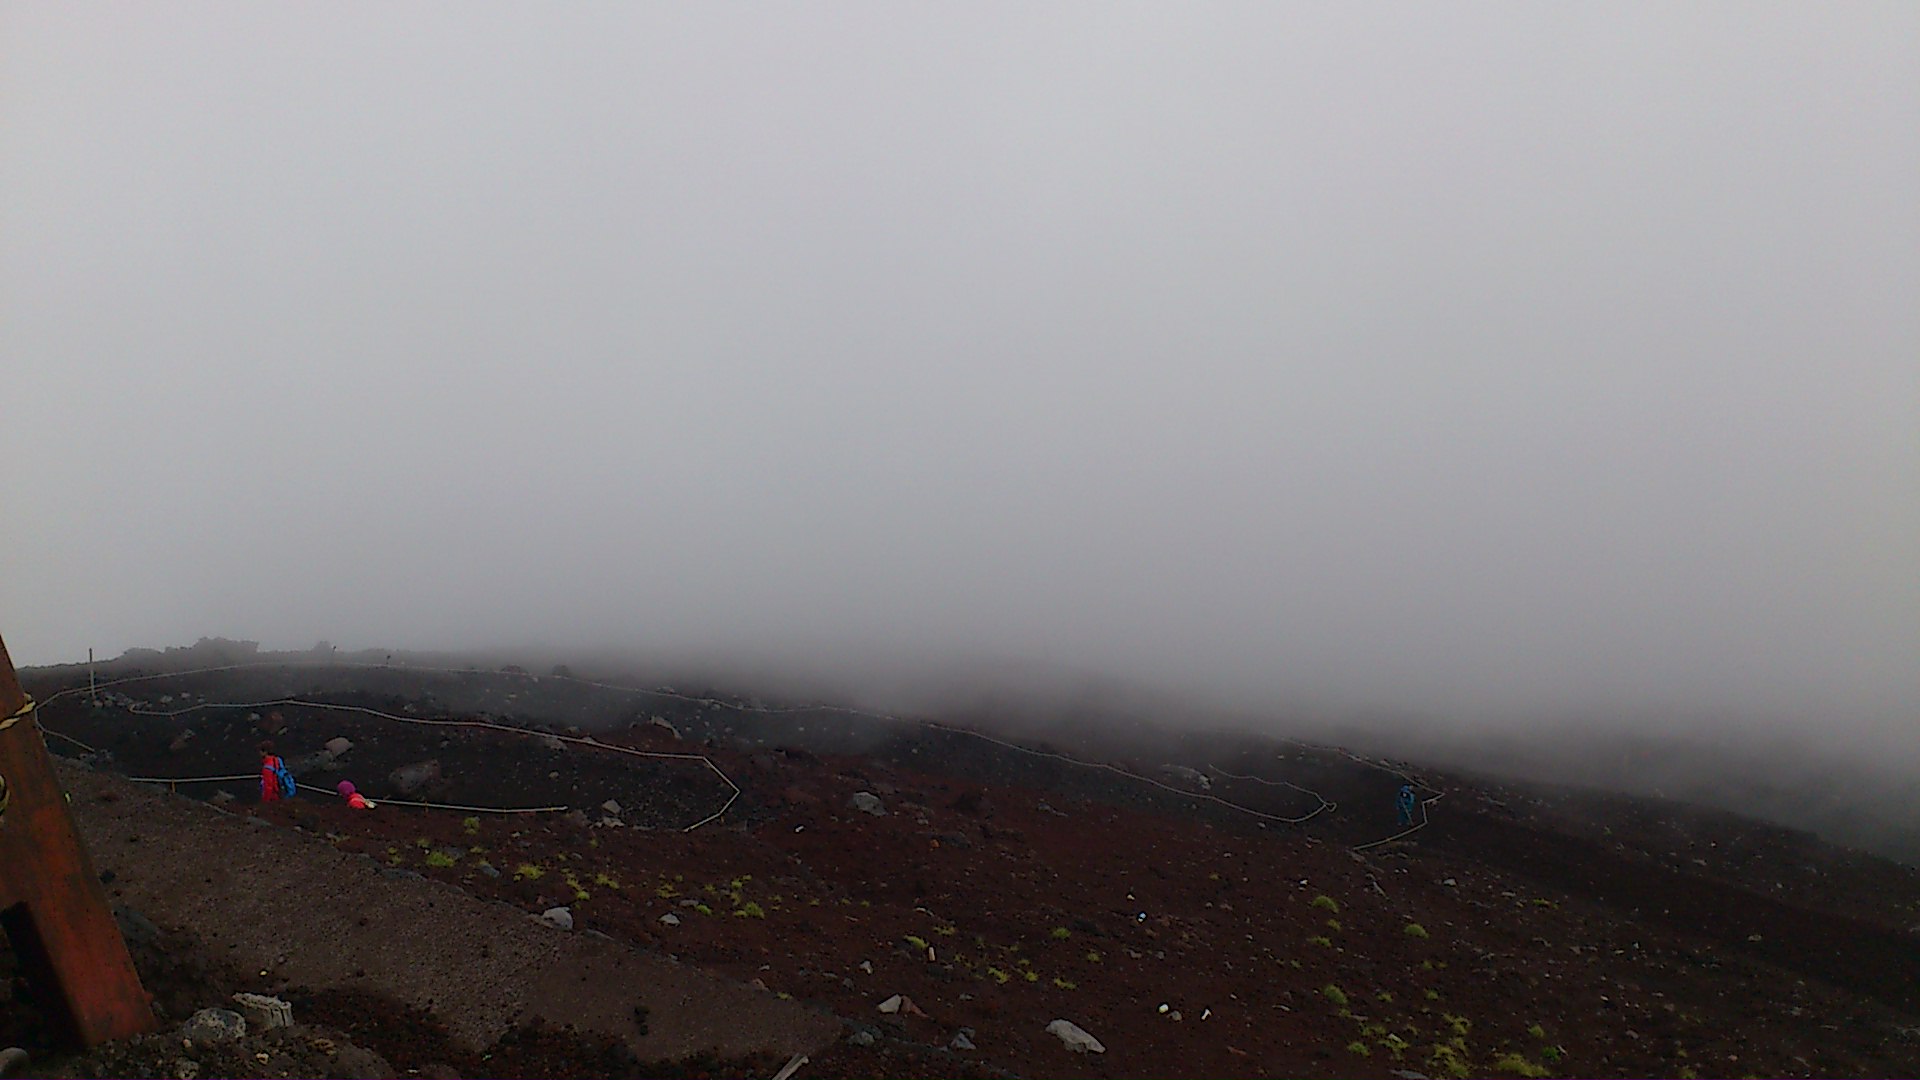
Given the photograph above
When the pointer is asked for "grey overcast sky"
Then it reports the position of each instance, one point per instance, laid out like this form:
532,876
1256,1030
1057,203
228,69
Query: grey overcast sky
1472,359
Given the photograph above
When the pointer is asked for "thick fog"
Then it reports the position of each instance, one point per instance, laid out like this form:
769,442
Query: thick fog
1513,362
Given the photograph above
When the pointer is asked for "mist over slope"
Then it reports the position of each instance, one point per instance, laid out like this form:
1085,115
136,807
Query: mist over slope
1524,366
1870,802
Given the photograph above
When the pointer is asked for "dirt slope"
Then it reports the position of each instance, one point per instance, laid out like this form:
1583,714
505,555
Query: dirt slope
1526,931
285,904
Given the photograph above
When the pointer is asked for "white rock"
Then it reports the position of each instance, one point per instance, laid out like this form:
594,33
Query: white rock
1077,1040
670,919
264,1013
892,1004
611,807
339,746
558,917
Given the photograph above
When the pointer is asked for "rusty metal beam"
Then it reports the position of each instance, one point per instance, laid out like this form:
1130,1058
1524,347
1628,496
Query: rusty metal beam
51,904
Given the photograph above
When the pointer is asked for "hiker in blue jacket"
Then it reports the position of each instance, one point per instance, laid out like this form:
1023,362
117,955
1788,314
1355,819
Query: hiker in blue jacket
276,780
1406,803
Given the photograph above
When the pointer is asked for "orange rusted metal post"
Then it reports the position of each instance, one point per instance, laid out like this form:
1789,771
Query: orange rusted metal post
51,904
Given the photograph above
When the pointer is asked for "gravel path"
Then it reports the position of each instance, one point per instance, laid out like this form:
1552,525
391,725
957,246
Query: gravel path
286,904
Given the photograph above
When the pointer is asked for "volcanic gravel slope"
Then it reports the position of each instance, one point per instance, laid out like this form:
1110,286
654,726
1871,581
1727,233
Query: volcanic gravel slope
1524,931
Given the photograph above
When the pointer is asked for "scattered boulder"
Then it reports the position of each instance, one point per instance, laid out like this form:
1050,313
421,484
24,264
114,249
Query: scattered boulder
862,1037
611,807
670,919
869,803
181,740
902,1005
1075,1038
558,917
214,1026
553,743
661,723
263,1012
487,868
409,779
963,1040
338,746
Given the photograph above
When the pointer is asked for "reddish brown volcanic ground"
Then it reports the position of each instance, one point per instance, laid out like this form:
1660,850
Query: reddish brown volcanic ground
1522,931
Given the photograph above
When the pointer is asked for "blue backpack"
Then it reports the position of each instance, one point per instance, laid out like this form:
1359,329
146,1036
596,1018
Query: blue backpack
284,777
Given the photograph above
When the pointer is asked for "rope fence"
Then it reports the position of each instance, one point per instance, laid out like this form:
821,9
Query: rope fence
1324,805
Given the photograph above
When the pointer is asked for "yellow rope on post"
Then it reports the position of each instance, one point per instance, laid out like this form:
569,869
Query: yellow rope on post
25,710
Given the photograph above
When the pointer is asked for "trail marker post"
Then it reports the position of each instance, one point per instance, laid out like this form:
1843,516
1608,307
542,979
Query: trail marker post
52,907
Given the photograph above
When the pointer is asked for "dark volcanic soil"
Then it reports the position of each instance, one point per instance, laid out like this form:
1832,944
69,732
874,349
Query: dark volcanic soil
1522,931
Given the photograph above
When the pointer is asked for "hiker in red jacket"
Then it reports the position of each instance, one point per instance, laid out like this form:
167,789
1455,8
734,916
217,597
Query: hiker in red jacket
354,798
276,782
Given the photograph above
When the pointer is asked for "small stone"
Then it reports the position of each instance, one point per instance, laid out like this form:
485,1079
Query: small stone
869,803
862,1037
558,917
214,1026
963,1040
339,746
1075,1038
670,919
892,1005
185,1069
487,868
866,966
611,807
